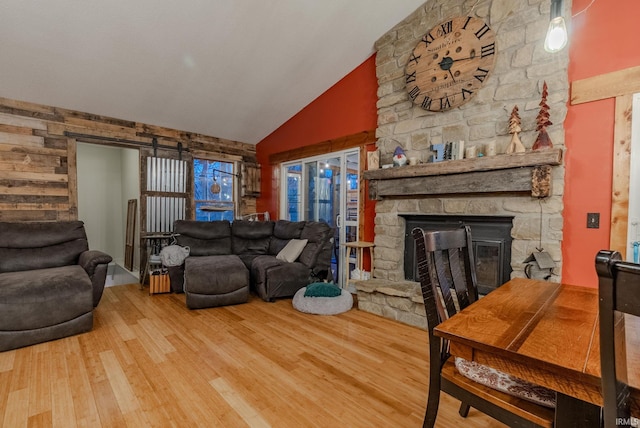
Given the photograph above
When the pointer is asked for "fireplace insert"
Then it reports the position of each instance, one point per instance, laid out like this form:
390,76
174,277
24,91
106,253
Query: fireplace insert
491,236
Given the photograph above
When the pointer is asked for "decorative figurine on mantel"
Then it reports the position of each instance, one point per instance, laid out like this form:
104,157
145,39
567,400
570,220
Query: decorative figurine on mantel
515,146
543,141
399,158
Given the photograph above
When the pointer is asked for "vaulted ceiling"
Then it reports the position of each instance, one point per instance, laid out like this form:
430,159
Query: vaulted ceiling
235,69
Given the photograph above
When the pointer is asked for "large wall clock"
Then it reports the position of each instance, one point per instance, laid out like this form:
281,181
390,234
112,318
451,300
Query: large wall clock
450,63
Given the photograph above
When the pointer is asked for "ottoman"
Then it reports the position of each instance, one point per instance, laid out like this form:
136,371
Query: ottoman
211,281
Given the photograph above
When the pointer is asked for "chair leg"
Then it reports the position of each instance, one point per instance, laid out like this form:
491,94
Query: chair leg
464,409
431,414
433,400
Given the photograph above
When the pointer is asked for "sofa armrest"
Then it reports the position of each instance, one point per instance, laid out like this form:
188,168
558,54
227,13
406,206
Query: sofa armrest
95,263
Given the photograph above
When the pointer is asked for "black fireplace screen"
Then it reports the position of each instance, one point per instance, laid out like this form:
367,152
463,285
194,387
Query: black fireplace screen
491,238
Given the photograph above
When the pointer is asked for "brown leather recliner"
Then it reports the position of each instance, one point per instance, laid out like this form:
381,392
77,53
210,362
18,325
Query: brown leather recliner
49,282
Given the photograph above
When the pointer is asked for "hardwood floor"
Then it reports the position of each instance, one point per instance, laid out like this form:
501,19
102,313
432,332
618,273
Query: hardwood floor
150,361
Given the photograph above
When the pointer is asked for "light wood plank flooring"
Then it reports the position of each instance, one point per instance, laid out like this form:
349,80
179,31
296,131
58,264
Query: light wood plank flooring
150,362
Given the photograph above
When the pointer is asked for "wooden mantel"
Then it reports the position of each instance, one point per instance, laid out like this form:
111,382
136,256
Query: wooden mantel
526,172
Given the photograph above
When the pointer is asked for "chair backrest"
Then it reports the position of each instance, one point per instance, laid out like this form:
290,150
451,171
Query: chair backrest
619,292
447,272
41,245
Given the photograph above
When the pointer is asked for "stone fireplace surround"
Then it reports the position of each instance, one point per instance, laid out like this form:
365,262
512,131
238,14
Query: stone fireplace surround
522,66
390,295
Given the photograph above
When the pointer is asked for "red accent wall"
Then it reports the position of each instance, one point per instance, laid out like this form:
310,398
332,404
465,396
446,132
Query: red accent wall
346,108
602,40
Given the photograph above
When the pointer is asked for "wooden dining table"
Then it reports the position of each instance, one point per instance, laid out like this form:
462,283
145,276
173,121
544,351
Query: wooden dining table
546,333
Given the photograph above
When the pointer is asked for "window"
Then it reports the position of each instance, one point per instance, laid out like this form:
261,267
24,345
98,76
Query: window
214,189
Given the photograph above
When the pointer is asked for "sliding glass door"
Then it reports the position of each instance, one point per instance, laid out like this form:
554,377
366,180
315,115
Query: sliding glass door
325,188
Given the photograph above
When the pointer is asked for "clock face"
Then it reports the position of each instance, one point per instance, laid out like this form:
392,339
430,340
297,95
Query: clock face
450,63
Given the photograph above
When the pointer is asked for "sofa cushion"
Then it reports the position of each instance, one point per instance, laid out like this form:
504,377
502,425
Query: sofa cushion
215,274
40,298
283,232
272,278
204,238
41,245
292,250
317,234
250,237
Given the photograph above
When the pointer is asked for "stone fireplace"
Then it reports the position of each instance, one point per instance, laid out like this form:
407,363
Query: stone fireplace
494,186
395,294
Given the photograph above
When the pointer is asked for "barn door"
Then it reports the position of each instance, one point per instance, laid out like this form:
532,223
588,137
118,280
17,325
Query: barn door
165,190
166,193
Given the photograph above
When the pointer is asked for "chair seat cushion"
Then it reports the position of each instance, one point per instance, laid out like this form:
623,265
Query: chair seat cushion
506,383
41,298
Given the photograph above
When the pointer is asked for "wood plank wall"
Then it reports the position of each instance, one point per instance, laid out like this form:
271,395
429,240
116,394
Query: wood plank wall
621,85
38,160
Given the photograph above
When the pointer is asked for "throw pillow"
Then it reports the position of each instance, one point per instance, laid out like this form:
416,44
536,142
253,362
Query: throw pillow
292,250
322,289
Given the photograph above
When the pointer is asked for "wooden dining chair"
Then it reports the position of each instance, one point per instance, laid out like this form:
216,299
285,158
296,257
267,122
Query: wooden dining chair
619,292
448,281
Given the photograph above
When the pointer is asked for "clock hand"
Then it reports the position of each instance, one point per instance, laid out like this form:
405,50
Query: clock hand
454,79
463,59
446,62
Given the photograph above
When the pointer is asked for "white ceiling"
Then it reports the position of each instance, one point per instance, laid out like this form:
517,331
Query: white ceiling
235,69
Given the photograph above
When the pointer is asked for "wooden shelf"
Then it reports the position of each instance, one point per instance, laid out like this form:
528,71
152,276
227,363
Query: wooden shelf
526,172
486,163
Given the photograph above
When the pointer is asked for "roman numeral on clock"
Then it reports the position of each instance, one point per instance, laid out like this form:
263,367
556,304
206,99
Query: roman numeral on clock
482,31
426,103
414,58
413,93
466,93
446,27
410,78
482,74
487,50
445,103
464,27
427,39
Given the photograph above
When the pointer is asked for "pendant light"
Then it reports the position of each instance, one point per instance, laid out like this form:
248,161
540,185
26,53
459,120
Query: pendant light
557,36
215,187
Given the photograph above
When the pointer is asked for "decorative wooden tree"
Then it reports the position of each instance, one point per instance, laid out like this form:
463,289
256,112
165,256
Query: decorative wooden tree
515,146
543,141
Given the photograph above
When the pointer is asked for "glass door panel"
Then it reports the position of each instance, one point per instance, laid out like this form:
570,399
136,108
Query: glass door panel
318,189
310,191
349,220
293,194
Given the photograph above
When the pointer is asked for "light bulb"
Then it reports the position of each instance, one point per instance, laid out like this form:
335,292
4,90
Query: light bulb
556,35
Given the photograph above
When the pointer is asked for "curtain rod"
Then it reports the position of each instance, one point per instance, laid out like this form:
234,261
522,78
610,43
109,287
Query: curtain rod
154,144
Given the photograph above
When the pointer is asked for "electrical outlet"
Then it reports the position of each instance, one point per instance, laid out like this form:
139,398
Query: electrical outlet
593,220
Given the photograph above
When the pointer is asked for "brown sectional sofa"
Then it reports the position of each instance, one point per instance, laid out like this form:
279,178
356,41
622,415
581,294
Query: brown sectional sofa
227,260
